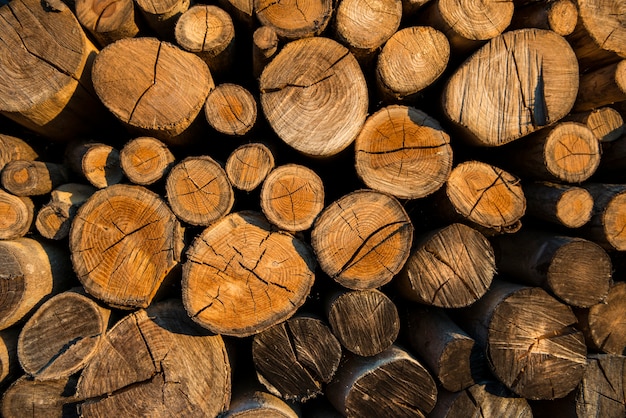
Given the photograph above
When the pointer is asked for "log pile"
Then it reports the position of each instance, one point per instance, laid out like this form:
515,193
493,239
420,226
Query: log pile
404,208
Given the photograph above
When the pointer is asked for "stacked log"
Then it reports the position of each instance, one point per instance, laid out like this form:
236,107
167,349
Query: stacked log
312,209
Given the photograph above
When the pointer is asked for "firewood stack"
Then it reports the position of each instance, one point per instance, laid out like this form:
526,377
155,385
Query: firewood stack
313,208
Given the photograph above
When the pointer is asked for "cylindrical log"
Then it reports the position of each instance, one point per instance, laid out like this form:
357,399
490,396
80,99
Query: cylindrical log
562,204
529,338
392,383
608,219
258,404
292,20
366,322
603,324
566,152
231,109
124,242
292,196
575,270
448,351
108,20
606,123
33,178
600,36
162,15
55,218
469,23
9,363
30,271
16,215
602,87
411,60
613,162
240,10
295,358
157,361
404,152
198,190
514,85
39,399
362,239
45,70
365,27
314,96
153,87
241,276
248,166
559,16
208,32
264,47
63,334
483,195
486,399
451,267
13,148
146,160
97,162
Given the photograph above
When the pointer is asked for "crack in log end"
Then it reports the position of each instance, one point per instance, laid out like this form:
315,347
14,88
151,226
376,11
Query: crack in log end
154,81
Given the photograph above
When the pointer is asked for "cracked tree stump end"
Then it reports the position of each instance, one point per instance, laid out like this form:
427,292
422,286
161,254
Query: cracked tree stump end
292,196
314,96
55,217
124,241
153,87
562,204
404,152
295,358
362,239
264,47
606,123
231,109
157,361
607,225
98,163
146,160
36,398
451,267
518,83
529,338
248,166
198,191
62,336
16,215
108,20
294,19
241,276
32,178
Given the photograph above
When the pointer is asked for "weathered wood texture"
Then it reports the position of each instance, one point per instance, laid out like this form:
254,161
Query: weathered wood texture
48,398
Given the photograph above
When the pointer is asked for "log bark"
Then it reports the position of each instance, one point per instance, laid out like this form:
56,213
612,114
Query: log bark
62,336
39,399
532,347
608,220
248,166
295,358
536,85
264,47
576,271
291,20
485,196
45,68
124,242
146,160
602,87
292,196
16,215
602,323
450,267
55,217
208,32
31,272
364,27
559,16
108,21
314,96
241,277
404,152
97,162
487,399
231,109
33,178
366,322
562,204
158,362
362,239
13,148
162,15
198,191
411,60
259,404
448,351
606,123
153,87
392,383
9,363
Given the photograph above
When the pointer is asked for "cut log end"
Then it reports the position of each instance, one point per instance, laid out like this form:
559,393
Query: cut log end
248,166
292,20
603,325
231,109
145,160
16,215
